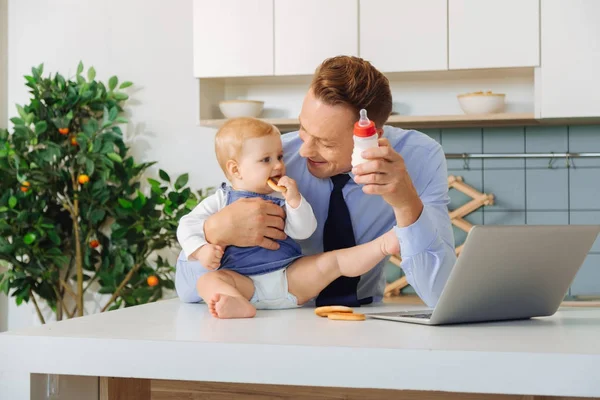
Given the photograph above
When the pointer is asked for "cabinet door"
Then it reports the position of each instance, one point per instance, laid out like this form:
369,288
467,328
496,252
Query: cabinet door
493,33
404,35
309,31
233,38
570,72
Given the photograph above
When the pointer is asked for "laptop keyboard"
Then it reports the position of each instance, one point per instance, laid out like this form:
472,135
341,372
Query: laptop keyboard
426,316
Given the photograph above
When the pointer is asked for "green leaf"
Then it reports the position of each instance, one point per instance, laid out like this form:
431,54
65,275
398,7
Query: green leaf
122,120
190,204
164,176
112,83
121,96
125,203
112,115
12,201
181,181
22,112
17,121
40,127
115,157
90,127
79,68
91,74
125,84
97,215
89,167
29,238
3,209
52,235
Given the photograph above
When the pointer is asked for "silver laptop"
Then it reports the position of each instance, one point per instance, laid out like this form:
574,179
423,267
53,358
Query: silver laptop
508,273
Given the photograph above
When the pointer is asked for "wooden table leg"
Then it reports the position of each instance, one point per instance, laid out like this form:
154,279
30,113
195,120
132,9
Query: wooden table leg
124,389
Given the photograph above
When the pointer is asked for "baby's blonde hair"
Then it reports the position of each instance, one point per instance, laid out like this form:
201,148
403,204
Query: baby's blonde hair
229,140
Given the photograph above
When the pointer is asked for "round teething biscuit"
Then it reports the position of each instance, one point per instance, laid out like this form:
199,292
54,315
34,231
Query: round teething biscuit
325,310
346,316
272,182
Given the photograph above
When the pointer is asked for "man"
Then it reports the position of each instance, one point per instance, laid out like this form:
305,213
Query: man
403,185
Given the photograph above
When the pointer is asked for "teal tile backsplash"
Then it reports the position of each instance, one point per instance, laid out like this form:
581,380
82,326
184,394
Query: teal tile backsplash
527,191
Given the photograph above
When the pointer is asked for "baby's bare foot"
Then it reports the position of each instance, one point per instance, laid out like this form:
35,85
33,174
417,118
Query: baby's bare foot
225,306
389,244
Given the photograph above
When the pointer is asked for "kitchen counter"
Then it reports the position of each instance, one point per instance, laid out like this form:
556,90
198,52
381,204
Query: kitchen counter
172,341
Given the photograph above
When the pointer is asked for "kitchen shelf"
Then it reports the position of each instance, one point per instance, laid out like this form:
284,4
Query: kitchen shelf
434,121
441,121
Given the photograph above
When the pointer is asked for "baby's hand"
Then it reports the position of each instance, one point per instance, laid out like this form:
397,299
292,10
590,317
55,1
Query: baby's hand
209,256
292,195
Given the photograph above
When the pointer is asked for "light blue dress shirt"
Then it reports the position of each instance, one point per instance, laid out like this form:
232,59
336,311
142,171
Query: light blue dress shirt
426,246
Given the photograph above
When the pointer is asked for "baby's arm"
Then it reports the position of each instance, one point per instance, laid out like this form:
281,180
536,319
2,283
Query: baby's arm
300,221
190,231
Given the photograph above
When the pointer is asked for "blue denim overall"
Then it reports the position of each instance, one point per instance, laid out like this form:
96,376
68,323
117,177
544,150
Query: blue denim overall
257,260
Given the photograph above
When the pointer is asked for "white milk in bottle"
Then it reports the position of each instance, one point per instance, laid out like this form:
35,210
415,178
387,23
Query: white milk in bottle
365,137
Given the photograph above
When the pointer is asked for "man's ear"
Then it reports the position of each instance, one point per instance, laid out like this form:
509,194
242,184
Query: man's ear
233,169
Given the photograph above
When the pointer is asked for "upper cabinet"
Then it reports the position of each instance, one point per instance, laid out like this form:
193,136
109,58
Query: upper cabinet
233,38
309,31
570,75
494,33
404,35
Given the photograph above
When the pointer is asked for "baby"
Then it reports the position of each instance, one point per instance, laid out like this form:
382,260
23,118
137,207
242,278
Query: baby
243,279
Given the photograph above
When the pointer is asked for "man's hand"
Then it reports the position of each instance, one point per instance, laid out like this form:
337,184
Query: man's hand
209,256
292,195
385,174
245,223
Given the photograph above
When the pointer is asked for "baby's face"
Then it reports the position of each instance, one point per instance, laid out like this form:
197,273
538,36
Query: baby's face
262,158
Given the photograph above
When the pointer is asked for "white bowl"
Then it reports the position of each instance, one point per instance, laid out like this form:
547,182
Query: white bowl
481,103
241,108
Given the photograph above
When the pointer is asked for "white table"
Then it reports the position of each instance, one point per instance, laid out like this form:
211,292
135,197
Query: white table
169,346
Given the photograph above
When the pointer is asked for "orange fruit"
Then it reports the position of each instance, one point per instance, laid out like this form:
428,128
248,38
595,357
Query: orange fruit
152,280
25,186
94,243
83,179
63,131
74,141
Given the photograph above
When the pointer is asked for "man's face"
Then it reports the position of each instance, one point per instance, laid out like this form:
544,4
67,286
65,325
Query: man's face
326,133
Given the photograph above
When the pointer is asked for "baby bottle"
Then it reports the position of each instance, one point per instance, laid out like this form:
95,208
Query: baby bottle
365,137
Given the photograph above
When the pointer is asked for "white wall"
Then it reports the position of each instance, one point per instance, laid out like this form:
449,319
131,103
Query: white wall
148,42
3,123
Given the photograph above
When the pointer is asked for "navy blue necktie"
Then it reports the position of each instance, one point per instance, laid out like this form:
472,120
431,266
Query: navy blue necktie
338,234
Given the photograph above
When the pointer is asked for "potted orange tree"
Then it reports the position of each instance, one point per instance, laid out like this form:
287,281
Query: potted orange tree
74,215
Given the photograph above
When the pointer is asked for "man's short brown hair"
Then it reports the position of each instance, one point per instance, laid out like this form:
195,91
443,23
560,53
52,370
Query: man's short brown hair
356,83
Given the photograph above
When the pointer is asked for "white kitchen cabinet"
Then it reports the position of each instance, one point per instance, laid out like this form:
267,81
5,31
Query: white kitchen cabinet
569,77
309,31
404,35
494,33
233,38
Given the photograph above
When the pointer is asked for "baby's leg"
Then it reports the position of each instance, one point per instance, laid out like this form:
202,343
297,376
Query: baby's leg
309,275
227,294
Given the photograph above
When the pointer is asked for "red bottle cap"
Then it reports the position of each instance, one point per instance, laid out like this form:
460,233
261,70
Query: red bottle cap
363,127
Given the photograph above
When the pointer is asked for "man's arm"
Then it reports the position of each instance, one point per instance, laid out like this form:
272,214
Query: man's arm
245,223
427,244
423,226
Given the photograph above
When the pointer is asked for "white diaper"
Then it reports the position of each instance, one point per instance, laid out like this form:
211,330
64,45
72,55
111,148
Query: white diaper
271,291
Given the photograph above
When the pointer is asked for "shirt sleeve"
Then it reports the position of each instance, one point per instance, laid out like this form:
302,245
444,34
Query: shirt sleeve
427,246
301,221
190,231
